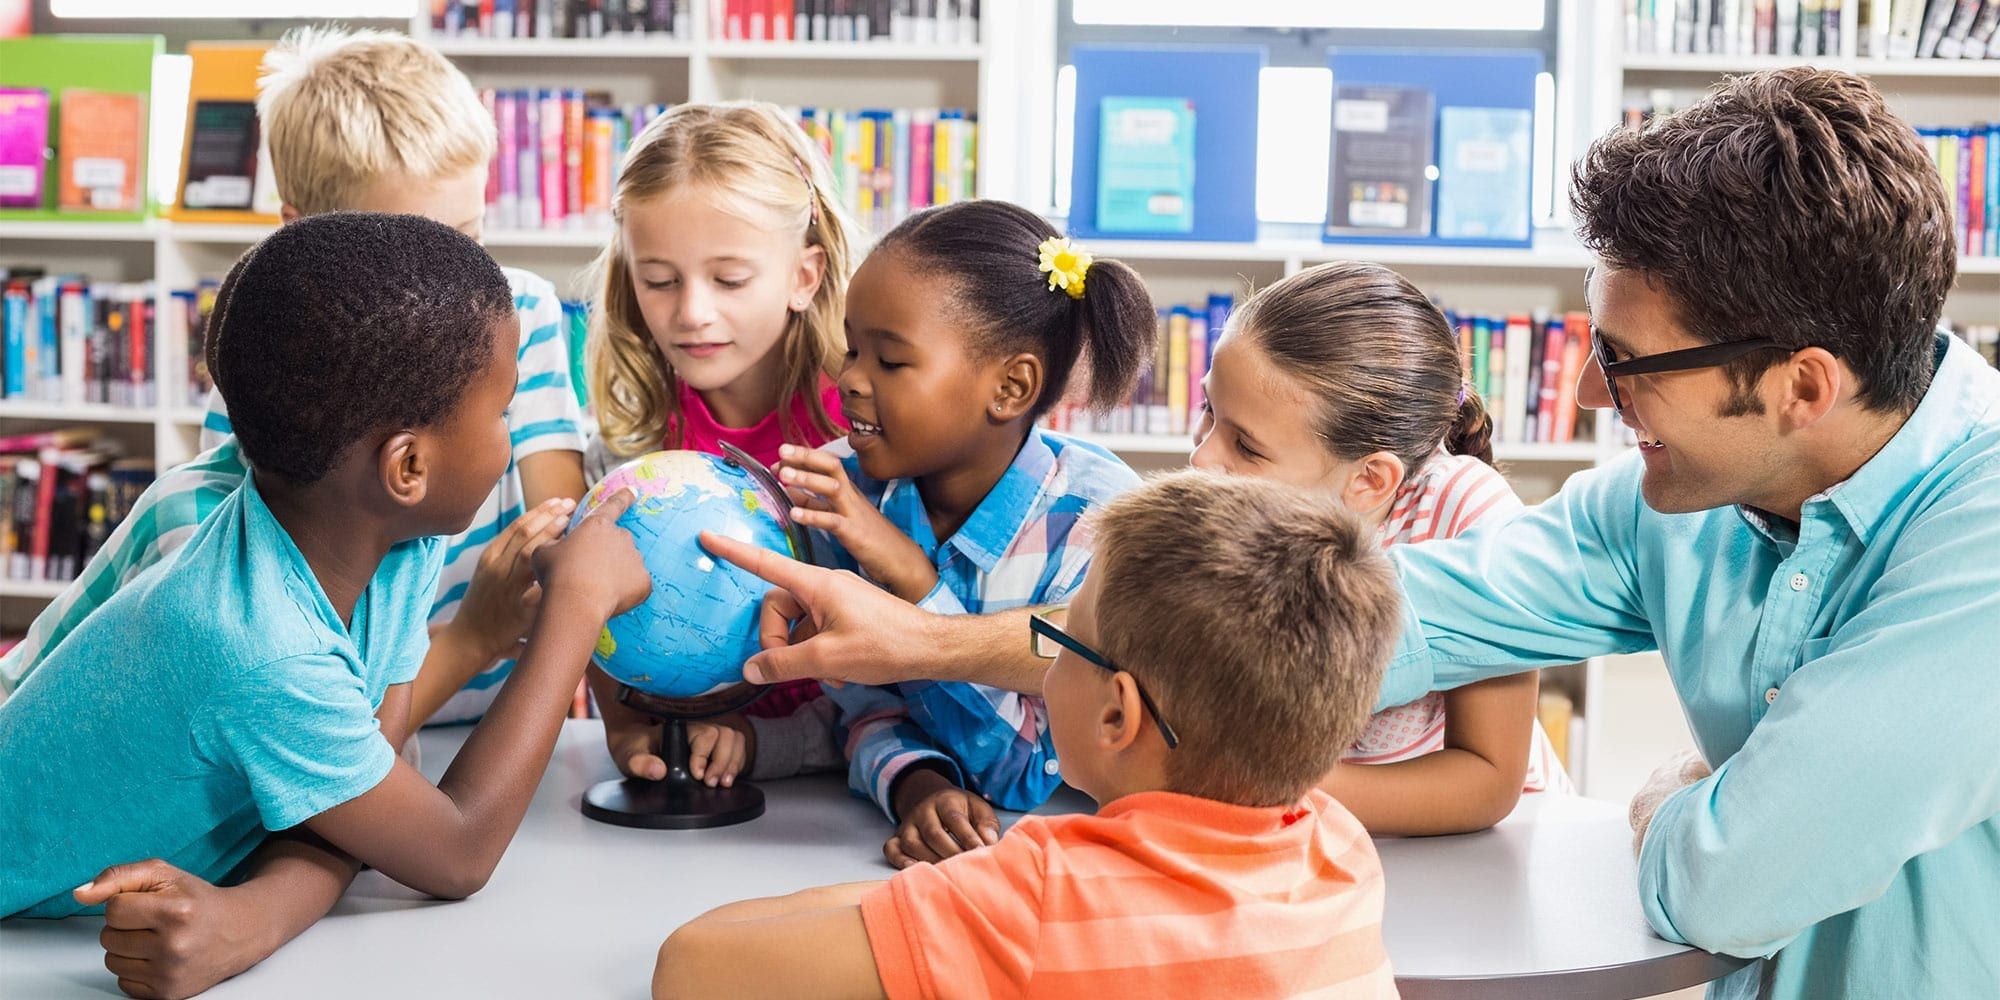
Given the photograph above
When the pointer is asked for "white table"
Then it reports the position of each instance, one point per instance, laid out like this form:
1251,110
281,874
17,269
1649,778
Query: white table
1544,905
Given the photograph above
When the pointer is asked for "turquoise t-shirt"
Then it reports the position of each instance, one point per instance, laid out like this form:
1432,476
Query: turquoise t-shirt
210,701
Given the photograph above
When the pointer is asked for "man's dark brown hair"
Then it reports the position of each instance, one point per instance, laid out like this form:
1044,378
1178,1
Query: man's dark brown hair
1792,205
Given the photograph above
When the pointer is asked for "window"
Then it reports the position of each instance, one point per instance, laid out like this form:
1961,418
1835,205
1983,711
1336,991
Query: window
1295,94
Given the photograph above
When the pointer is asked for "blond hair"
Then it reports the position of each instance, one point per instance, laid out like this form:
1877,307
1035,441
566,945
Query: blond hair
1260,619
749,152
342,109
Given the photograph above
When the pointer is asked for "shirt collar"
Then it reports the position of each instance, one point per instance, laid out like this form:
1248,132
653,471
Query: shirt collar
1000,517
1960,394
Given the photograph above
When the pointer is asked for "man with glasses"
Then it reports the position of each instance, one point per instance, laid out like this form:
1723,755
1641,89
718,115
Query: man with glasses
1809,533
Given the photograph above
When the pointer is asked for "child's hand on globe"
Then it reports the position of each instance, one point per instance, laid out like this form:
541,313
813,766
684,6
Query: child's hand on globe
827,501
500,601
596,564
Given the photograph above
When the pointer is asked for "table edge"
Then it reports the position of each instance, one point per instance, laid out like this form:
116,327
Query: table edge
1636,979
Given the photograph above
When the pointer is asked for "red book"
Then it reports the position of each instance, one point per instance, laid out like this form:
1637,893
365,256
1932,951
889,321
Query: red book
45,498
141,322
733,22
782,13
1552,363
1576,347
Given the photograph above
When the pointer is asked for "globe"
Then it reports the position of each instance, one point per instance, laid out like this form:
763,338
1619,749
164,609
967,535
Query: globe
689,639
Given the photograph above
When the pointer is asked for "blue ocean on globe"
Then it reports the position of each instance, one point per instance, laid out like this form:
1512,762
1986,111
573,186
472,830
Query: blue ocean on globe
692,635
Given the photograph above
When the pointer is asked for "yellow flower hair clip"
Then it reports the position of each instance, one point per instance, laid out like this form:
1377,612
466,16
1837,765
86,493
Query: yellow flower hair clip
1066,265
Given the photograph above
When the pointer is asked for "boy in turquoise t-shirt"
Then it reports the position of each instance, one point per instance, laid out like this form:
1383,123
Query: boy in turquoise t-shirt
263,668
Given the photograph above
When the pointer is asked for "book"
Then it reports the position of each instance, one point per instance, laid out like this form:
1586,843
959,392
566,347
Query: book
1145,173
1936,16
1951,45
1381,155
223,144
100,152
1485,157
24,142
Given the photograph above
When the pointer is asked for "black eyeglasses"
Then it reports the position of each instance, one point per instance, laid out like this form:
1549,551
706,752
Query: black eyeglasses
1048,640
1708,356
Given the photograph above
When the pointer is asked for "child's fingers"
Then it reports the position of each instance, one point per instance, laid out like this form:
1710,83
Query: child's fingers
825,520
810,459
525,530
701,747
910,841
812,482
733,765
959,825
931,828
613,507
647,766
149,875
892,849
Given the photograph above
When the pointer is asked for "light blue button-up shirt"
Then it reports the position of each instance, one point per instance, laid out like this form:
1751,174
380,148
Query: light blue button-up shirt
1843,679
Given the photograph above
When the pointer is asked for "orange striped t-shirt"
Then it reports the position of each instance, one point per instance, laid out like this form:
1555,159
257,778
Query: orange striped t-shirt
1158,894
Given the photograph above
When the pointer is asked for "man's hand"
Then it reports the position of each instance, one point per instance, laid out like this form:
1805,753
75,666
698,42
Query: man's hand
1678,772
857,632
168,934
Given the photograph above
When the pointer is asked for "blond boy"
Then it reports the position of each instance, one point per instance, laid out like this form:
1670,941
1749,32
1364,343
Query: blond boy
1217,606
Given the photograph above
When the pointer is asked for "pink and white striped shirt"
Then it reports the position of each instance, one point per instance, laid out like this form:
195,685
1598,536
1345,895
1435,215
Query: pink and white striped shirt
1449,496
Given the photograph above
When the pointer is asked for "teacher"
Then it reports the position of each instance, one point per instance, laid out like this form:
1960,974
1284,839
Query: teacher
1809,532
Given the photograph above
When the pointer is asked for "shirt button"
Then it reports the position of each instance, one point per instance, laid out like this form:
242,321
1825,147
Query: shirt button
1052,767
1771,697
1800,581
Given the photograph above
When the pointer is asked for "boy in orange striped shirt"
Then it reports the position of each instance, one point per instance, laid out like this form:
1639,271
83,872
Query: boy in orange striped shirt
1226,646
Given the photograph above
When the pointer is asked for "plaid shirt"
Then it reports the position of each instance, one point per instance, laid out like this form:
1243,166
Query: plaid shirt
1024,546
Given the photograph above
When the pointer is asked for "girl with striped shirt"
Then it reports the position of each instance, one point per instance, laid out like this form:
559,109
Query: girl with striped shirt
1343,379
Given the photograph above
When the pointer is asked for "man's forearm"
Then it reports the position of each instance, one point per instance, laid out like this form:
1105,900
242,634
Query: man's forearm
981,649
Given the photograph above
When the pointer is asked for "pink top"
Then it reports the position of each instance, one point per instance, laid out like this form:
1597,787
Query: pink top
700,431
1446,498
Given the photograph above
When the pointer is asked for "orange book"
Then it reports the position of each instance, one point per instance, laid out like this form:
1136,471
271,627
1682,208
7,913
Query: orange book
1576,348
100,151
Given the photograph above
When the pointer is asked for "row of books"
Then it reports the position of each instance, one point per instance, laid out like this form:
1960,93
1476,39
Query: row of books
62,493
67,339
888,163
1882,29
1968,159
556,162
1523,365
99,139
916,22
1168,399
561,18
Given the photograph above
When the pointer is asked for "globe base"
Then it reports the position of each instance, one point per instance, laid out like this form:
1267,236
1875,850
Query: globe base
676,802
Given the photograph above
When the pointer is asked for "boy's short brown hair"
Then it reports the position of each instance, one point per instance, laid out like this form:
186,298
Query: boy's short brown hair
1260,618
342,109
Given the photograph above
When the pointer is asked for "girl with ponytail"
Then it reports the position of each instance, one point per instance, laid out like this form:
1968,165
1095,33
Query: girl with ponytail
1344,380
964,326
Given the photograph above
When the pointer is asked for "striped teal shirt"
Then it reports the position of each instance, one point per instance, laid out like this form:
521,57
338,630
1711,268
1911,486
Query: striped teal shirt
1839,676
543,417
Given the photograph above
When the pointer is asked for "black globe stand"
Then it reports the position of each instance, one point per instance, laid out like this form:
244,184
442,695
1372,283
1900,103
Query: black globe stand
678,801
